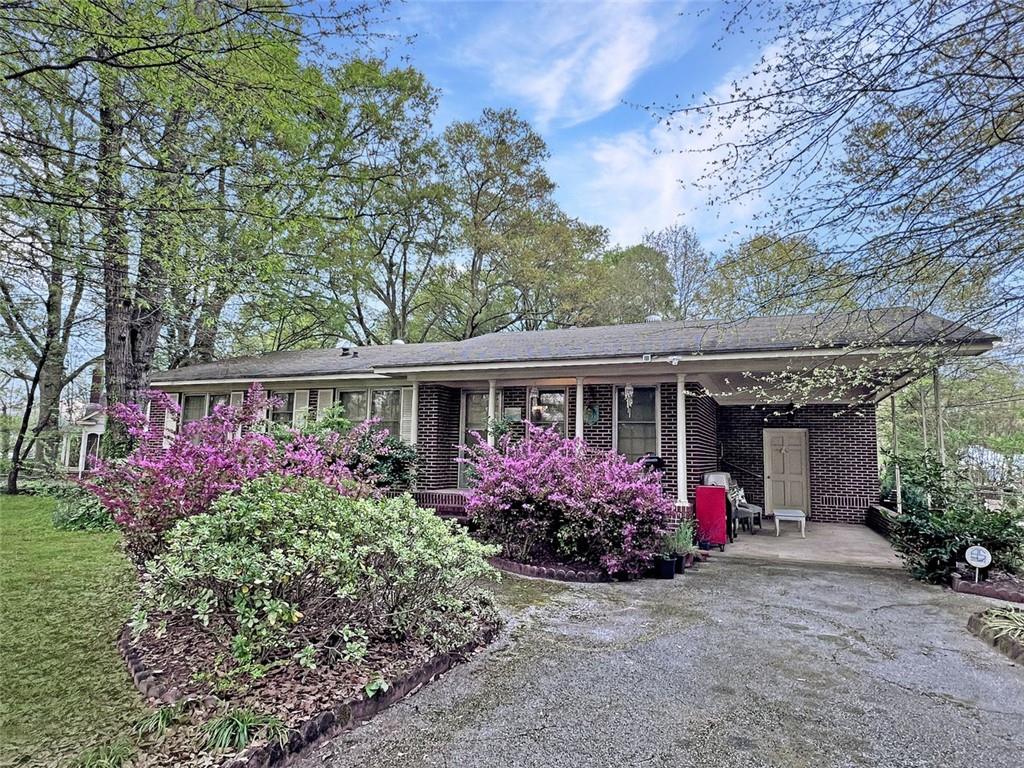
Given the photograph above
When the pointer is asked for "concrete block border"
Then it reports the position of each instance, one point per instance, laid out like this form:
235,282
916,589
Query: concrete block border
339,717
986,589
1007,645
587,575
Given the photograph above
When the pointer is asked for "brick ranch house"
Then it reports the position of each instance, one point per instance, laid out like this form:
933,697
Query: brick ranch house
673,389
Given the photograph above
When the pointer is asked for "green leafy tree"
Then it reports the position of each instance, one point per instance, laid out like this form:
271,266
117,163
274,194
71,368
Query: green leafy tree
629,285
768,275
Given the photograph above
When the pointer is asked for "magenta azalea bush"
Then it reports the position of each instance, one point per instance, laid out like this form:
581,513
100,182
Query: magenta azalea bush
154,487
551,497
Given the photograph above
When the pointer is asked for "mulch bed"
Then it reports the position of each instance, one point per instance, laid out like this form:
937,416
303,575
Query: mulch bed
550,570
312,703
1002,586
1010,646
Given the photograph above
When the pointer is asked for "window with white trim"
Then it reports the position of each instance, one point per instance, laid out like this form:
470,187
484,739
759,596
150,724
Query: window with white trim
355,404
218,398
386,405
548,409
636,421
193,408
283,409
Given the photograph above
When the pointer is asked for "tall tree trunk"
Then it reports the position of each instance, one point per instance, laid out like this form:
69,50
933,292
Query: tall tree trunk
51,378
19,452
122,381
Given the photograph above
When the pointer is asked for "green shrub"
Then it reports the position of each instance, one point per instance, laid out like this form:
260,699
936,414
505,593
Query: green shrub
942,517
289,567
78,509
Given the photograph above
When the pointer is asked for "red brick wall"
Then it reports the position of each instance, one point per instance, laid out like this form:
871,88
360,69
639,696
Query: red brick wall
842,452
437,437
515,397
701,437
599,435
157,422
667,450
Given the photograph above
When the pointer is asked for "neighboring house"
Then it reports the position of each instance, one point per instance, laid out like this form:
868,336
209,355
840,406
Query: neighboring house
622,388
80,440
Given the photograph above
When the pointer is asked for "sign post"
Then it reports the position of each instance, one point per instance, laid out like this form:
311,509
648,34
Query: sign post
980,558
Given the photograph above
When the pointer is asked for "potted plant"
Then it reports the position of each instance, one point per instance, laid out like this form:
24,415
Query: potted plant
682,546
665,562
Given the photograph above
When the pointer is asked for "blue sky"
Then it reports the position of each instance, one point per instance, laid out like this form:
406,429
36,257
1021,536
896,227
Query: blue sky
575,69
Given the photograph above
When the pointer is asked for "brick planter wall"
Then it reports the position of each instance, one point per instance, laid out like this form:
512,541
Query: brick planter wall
1006,644
842,447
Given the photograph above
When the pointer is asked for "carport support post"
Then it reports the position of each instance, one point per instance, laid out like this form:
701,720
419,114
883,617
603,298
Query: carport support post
940,433
579,407
492,407
681,440
896,455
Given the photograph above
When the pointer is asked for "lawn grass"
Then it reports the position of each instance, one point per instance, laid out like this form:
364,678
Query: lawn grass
63,599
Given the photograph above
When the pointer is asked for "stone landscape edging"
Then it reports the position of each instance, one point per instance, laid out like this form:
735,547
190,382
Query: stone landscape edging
340,717
1007,645
985,589
581,575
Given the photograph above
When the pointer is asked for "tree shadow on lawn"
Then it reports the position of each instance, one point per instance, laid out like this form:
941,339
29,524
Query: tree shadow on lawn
64,596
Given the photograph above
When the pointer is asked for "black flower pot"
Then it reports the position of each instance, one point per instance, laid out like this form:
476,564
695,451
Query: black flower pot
665,568
680,563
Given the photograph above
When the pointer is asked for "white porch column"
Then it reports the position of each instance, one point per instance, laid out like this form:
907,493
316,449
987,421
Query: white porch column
681,440
414,427
940,433
81,452
492,407
579,407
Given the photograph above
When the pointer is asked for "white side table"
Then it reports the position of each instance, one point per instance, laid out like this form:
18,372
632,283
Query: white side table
797,515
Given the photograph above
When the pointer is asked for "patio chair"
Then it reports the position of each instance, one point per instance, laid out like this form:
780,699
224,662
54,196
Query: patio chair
756,512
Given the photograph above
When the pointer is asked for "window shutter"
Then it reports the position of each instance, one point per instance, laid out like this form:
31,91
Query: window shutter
237,399
405,425
171,420
300,407
324,400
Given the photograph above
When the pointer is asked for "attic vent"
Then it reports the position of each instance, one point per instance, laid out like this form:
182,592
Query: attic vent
655,318
397,341
344,345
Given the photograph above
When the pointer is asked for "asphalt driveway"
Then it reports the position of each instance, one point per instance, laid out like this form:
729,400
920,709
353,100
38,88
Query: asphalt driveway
739,664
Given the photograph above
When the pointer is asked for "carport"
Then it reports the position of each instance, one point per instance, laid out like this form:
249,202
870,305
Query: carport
826,544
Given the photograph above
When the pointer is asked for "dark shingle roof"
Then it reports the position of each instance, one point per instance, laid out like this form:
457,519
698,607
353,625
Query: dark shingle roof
867,328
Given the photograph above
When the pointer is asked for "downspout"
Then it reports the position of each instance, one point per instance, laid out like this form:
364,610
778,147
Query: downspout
896,454
940,432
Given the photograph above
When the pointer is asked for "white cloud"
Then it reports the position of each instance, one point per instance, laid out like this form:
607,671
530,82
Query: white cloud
573,61
645,179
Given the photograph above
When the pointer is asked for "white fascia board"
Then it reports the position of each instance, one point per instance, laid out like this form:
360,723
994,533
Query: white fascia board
290,380
958,350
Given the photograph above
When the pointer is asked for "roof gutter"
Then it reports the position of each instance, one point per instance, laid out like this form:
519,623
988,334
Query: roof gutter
976,348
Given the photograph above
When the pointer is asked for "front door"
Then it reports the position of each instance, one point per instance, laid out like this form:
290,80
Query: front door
474,419
786,484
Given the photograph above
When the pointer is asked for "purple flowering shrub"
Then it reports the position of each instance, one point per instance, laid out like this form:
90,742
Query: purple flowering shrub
547,496
154,487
